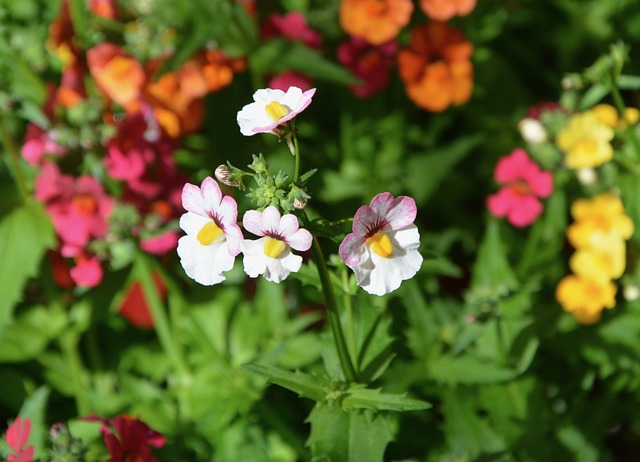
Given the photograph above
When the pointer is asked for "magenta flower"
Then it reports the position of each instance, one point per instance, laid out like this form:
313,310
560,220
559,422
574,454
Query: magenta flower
16,437
37,144
382,250
87,272
371,63
292,25
523,184
290,79
79,207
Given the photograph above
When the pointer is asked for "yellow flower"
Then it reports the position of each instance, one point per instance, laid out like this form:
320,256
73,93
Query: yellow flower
584,298
586,141
604,260
603,213
606,114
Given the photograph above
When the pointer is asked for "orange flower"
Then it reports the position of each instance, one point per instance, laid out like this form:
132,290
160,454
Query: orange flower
443,10
584,298
117,74
376,21
176,96
436,67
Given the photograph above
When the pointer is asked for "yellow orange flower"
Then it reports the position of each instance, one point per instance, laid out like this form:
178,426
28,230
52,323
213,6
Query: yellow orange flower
602,214
586,140
118,75
436,67
376,21
603,261
584,298
443,10
608,115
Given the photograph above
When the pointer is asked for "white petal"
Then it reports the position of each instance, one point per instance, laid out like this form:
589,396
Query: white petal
252,222
271,219
407,237
388,273
288,225
192,199
204,264
301,240
191,223
254,260
212,195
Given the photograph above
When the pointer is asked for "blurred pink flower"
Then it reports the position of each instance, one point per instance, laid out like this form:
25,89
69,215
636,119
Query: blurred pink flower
371,63
78,207
524,183
87,272
289,79
37,143
292,25
16,437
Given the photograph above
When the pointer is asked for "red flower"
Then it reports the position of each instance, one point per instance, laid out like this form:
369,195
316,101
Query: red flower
134,308
128,439
371,63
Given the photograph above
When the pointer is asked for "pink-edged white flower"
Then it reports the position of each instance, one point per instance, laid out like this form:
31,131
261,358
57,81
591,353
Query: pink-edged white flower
271,255
272,108
382,250
213,237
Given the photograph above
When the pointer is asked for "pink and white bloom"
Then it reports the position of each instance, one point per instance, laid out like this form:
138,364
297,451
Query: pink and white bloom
271,255
382,250
213,238
524,183
272,108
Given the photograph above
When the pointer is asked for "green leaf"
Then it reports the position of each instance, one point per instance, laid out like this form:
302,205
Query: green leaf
493,277
339,436
305,385
424,173
630,194
374,399
468,370
25,234
22,339
34,408
278,54
629,82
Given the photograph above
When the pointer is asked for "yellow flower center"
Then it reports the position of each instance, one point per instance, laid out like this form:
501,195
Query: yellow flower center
273,247
276,111
209,233
380,244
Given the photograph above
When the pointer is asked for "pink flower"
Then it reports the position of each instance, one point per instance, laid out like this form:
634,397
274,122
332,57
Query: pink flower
292,25
16,437
523,184
38,143
382,250
290,79
78,207
87,272
371,63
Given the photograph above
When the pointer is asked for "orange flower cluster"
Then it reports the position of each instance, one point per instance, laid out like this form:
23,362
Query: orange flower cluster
436,67
443,10
175,96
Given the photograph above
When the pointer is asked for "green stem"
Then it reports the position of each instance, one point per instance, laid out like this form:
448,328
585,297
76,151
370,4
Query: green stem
332,309
14,162
348,306
296,172
530,249
160,320
69,348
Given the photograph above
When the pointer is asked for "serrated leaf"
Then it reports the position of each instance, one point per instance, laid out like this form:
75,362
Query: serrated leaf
25,234
305,385
342,436
374,399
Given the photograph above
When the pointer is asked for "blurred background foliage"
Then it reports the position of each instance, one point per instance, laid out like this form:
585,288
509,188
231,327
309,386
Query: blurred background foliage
525,383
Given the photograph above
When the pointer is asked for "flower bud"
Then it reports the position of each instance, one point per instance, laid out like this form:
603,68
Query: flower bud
230,176
631,292
587,176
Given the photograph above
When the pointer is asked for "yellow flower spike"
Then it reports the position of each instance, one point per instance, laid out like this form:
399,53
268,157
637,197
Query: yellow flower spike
209,233
273,247
381,244
276,111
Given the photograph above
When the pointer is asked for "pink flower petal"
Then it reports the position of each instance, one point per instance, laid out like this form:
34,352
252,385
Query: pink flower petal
526,212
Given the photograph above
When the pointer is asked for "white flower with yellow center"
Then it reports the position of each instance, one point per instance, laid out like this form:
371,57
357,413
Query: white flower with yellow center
382,250
213,237
271,255
272,108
